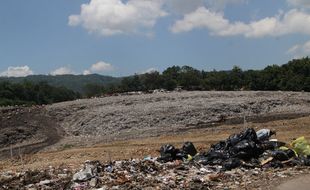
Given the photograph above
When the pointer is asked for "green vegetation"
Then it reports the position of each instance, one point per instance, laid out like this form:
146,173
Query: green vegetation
28,93
71,82
293,76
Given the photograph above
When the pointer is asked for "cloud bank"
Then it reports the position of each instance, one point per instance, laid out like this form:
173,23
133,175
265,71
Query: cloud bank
63,71
111,17
300,50
99,67
20,71
115,17
292,22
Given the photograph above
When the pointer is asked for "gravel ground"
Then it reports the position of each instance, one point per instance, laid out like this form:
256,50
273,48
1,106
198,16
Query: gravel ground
90,121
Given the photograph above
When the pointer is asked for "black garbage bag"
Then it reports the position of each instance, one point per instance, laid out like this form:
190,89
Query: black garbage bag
246,150
299,161
201,159
189,148
180,155
248,134
168,153
290,153
275,164
280,155
272,145
305,161
283,155
232,163
217,157
220,146
244,146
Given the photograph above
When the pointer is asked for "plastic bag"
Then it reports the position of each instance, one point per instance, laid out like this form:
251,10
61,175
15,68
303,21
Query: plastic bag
168,153
301,146
189,149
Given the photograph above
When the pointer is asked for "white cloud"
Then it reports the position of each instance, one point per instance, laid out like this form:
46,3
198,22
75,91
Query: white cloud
63,71
187,6
294,21
150,70
101,67
87,72
300,50
111,17
299,3
20,71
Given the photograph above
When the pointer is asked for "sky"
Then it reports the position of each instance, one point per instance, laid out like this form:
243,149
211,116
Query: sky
123,37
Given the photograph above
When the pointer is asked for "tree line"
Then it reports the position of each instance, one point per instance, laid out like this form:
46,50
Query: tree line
293,76
30,93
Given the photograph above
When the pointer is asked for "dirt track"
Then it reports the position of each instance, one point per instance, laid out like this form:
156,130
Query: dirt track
301,183
26,130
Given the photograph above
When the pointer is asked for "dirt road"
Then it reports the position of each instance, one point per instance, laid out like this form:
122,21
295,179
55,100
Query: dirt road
26,130
300,183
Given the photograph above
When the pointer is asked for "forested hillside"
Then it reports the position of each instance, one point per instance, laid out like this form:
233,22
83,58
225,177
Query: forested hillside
293,76
28,93
72,82
41,89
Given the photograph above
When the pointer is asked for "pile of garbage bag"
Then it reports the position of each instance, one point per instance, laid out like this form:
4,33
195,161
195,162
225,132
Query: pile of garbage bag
247,149
228,164
169,153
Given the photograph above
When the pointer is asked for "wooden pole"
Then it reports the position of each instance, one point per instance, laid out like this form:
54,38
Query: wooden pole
11,151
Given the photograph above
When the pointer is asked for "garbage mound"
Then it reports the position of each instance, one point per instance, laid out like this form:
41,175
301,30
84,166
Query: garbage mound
231,164
248,149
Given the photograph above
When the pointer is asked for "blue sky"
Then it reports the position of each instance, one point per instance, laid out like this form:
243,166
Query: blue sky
114,37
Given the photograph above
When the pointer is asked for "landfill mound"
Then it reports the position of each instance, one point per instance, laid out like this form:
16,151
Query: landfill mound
91,121
248,160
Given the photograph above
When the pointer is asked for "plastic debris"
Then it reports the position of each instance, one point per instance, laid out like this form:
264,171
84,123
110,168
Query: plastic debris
189,148
301,146
228,164
264,134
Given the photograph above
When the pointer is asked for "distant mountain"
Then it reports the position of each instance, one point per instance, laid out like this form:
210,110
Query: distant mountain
72,82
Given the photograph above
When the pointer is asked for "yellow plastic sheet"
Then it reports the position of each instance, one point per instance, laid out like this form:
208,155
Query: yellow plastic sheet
301,146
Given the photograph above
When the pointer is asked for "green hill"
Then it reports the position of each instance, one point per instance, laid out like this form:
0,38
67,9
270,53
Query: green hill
72,82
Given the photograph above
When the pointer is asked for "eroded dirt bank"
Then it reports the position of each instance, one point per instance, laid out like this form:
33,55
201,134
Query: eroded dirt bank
26,130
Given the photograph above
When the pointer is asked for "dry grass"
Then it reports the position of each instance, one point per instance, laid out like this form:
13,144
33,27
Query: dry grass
202,138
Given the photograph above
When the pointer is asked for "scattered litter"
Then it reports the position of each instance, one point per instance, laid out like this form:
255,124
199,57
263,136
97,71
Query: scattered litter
264,134
238,162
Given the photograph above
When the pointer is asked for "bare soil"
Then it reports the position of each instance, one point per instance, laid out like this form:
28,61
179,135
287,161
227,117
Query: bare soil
26,130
